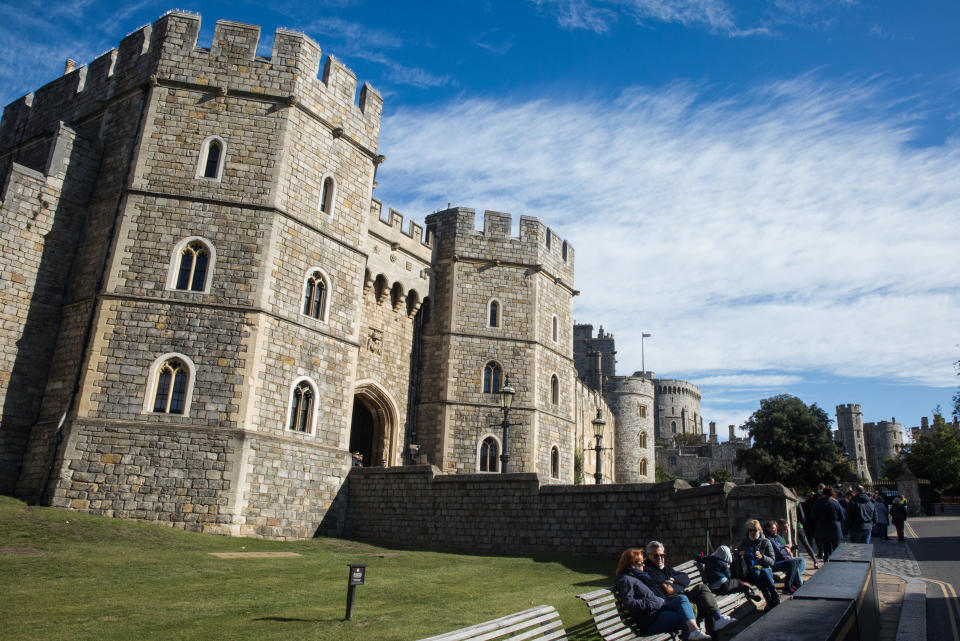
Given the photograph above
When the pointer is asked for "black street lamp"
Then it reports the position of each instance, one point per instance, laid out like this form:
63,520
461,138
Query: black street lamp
506,400
598,425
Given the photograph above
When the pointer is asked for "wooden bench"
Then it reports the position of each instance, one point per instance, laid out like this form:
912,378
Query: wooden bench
542,623
616,626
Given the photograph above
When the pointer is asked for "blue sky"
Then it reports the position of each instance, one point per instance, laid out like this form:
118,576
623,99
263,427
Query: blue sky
769,187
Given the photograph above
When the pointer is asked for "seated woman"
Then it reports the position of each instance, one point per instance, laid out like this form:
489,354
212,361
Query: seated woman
758,553
716,574
650,613
783,561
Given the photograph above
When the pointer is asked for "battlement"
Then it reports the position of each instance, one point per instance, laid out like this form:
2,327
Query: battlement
849,407
456,235
415,241
167,51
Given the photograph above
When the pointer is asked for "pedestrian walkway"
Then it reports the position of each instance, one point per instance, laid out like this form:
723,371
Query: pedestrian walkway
903,597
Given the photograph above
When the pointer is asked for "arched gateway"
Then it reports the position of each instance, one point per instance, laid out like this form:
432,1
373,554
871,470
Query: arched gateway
373,431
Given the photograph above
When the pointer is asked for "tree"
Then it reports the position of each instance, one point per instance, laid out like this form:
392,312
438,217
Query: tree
891,468
956,397
688,439
720,475
792,444
935,454
660,475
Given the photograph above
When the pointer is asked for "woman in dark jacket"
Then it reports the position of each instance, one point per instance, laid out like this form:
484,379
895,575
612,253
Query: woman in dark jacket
650,613
759,555
830,518
898,514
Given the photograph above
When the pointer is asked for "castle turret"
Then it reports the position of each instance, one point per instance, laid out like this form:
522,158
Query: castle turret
631,400
850,431
883,440
677,408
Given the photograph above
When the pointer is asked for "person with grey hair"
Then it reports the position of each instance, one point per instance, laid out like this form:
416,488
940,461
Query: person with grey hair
672,583
861,515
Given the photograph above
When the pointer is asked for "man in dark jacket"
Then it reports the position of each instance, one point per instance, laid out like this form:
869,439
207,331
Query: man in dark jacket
672,582
861,515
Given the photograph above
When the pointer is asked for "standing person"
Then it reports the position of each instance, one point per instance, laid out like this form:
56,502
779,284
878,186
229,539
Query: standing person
883,516
650,612
758,552
809,520
898,514
672,582
802,529
830,519
783,560
861,515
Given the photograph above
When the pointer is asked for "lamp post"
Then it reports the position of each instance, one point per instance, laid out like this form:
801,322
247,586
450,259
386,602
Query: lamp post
506,401
598,425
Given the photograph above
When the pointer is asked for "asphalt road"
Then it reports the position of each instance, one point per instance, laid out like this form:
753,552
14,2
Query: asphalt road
935,542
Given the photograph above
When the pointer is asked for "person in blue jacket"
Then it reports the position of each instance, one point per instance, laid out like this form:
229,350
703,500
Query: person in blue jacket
652,614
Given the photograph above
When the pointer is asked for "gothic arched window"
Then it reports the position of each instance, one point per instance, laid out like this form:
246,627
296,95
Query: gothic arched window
302,403
492,375
555,462
193,267
315,295
488,459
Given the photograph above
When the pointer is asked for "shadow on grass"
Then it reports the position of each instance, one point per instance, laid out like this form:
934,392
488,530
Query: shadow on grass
297,620
585,631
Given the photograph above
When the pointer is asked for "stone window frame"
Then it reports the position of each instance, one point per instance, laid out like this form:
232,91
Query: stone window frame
480,442
153,376
204,157
483,377
555,329
554,389
490,304
315,409
673,427
327,200
173,270
643,467
555,461
641,410
643,440
327,283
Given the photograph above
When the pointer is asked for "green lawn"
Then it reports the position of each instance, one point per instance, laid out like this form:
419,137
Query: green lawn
66,575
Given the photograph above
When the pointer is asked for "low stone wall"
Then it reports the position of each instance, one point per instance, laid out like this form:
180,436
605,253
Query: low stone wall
418,507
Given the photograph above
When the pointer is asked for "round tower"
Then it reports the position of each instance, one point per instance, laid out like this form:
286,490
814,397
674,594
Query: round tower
631,399
850,429
885,439
677,407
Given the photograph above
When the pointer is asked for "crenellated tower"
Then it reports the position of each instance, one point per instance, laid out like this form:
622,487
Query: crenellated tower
502,306
213,317
850,431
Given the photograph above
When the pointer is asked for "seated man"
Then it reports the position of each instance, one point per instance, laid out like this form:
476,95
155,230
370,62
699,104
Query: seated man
784,562
673,583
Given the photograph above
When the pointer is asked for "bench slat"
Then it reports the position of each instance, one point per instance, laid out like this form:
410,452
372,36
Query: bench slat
541,622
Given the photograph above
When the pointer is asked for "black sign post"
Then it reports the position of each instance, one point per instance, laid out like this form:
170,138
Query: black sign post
357,573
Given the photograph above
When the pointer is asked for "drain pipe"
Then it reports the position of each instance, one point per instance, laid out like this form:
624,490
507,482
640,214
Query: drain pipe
147,92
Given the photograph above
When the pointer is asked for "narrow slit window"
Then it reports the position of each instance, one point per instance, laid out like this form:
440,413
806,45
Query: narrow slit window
494,313
326,195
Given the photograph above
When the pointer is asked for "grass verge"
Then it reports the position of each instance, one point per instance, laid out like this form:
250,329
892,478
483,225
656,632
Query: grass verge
67,575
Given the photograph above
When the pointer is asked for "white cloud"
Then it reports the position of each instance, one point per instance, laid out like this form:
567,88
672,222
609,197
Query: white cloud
750,381
716,16
788,228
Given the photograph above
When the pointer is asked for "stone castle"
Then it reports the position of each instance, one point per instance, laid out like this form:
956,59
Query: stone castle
867,445
205,310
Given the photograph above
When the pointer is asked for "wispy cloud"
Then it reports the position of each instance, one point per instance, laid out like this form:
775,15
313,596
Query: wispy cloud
751,381
716,16
785,228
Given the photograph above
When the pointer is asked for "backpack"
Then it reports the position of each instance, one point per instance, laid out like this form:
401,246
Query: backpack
738,568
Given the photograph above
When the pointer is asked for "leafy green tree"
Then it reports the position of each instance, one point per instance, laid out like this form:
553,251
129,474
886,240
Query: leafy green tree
792,444
720,475
689,440
578,466
956,397
891,468
660,475
935,454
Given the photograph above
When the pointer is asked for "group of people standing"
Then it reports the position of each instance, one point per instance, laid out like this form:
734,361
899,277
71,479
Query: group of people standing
856,515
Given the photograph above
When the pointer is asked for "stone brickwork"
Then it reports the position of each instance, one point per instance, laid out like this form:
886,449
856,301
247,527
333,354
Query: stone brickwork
531,283
850,432
883,440
515,514
694,462
110,179
631,400
677,408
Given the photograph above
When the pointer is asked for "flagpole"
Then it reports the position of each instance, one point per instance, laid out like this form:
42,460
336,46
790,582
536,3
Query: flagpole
643,360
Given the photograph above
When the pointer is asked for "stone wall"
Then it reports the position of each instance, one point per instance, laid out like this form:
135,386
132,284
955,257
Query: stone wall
515,514
677,408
